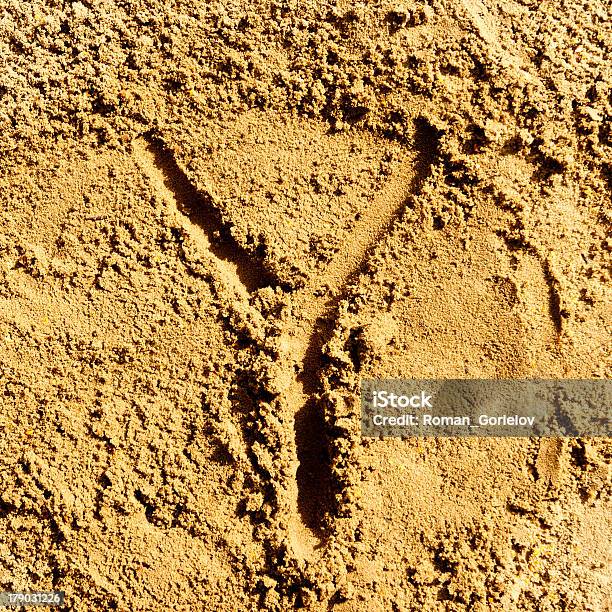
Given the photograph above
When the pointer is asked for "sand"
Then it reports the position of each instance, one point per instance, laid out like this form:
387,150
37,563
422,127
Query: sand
216,219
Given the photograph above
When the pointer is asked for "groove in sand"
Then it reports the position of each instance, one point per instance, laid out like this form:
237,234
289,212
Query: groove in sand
310,491
200,218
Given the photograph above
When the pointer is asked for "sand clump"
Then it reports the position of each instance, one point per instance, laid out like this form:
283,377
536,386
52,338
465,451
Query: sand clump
217,218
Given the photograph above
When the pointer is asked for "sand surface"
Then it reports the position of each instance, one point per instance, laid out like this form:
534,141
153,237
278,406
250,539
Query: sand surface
216,218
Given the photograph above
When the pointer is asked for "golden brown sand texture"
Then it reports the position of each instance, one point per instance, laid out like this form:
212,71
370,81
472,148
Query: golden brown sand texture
217,219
